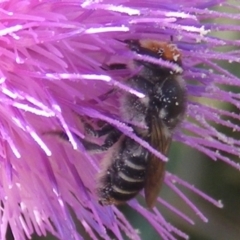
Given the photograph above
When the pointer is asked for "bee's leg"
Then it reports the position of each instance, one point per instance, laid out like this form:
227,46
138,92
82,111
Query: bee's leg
112,137
109,141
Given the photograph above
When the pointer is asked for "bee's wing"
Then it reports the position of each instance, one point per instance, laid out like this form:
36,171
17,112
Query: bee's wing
156,167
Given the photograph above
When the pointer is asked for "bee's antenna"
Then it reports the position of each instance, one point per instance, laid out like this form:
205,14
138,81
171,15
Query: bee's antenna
127,41
133,44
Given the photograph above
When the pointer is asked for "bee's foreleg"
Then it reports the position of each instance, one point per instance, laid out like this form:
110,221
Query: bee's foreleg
114,66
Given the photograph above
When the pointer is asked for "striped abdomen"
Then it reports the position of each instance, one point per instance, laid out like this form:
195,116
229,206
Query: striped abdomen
125,175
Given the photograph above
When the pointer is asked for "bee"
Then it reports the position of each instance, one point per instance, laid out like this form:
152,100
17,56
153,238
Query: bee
127,166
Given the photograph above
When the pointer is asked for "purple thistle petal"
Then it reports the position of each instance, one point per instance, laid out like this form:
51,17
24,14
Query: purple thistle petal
161,226
176,179
176,211
51,71
186,200
169,227
126,227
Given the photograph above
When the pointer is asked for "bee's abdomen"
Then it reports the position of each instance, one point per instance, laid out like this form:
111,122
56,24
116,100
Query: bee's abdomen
124,179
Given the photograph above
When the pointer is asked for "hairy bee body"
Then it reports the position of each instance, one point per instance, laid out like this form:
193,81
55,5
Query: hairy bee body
125,175
130,166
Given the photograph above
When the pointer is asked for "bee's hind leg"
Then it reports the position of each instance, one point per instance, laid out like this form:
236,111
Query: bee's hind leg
112,137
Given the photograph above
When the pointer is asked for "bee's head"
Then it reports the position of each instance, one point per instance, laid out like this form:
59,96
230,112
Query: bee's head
156,49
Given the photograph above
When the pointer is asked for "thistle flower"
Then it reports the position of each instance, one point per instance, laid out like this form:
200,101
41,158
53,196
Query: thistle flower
51,68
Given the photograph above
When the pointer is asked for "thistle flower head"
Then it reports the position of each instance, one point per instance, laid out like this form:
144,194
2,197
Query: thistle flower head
53,73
